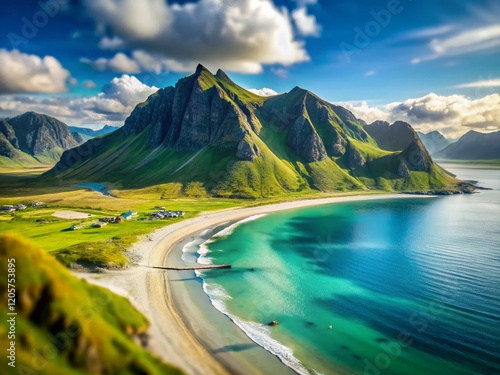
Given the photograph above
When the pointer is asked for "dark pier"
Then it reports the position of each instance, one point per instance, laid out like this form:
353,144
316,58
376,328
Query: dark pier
208,267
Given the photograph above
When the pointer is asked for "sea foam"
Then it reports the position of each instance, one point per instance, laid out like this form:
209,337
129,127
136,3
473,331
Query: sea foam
257,332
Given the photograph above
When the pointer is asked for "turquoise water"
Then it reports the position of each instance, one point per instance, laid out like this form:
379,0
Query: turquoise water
408,286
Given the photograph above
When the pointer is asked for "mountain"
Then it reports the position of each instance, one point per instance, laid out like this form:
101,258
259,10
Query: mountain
434,141
208,136
473,146
65,325
395,137
34,139
87,133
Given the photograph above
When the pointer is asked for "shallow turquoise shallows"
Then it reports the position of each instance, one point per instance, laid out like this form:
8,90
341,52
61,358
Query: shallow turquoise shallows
401,286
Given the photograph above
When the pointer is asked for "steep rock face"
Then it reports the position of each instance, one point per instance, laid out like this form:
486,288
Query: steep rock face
395,137
354,157
403,170
38,133
9,133
189,116
305,141
247,150
416,156
78,138
6,148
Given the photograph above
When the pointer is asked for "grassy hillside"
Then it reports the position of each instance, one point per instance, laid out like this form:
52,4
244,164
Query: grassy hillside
66,326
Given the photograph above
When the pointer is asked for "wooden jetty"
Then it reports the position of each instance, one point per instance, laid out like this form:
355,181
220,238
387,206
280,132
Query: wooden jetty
207,267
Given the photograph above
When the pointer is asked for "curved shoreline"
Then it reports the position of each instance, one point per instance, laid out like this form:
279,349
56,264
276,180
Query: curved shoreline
150,291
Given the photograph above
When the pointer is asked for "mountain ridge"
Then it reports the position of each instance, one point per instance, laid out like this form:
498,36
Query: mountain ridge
233,143
473,145
34,139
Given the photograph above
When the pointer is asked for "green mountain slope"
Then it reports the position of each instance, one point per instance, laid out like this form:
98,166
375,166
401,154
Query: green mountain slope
228,142
66,326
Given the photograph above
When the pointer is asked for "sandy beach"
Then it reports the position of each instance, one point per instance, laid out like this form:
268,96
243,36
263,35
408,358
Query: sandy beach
150,290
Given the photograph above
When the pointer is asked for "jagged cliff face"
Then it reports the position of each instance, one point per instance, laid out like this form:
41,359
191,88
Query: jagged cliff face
34,134
209,130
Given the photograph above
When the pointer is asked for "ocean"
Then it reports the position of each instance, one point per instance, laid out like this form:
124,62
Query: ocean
396,286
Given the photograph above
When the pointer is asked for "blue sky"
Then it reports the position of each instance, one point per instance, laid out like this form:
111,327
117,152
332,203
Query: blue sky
381,59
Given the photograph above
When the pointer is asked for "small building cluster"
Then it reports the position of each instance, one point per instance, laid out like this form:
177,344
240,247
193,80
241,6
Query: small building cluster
103,221
13,207
166,214
37,203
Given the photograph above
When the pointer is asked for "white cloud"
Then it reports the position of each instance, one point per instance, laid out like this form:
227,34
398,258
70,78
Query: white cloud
463,42
452,115
119,63
280,72
111,43
363,111
111,106
239,36
89,84
306,23
370,73
265,91
482,83
20,72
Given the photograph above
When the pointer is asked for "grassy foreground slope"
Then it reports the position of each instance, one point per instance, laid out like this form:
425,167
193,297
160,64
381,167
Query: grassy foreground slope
66,326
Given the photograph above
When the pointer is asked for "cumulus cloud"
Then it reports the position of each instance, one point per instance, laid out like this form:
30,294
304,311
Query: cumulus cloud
111,106
119,63
306,23
452,115
240,35
265,91
20,72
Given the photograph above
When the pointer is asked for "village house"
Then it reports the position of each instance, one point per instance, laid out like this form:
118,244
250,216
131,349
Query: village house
76,227
127,215
8,208
37,203
99,224
20,206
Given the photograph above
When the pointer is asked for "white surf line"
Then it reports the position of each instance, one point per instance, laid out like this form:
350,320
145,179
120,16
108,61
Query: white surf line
187,162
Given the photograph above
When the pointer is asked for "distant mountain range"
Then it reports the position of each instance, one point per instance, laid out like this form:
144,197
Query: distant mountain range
208,136
473,146
87,133
32,139
434,141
